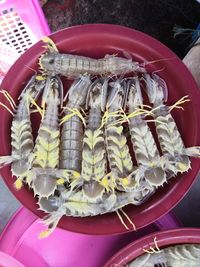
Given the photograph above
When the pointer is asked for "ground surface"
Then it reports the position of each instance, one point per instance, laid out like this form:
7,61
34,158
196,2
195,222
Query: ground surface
154,17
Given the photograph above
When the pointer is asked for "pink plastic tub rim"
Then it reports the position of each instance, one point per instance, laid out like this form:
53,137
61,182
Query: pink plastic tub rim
43,21
19,240
7,261
164,238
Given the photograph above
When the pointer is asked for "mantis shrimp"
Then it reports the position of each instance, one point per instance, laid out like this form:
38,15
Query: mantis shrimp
95,197
119,157
72,66
176,156
76,204
72,127
42,176
21,132
176,256
145,148
94,165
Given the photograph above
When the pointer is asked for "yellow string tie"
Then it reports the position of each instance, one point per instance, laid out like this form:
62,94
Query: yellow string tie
40,110
74,112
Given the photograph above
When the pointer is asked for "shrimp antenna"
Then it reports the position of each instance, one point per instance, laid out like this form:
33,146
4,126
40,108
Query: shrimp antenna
31,69
157,60
156,71
9,98
121,220
3,105
127,217
179,103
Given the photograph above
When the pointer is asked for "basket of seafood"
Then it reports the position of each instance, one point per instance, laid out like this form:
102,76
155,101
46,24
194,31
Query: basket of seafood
178,247
100,129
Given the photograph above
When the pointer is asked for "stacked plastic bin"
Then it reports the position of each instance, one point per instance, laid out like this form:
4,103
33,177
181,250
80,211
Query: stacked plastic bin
22,23
20,241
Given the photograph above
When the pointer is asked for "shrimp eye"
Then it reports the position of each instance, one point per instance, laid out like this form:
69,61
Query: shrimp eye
51,61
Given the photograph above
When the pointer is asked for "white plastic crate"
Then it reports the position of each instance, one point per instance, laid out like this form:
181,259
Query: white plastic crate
22,23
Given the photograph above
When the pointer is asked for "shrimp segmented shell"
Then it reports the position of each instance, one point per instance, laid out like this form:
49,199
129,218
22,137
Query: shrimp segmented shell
180,256
94,165
72,66
72,127
176,155
119,157
21,133
43,175
144,145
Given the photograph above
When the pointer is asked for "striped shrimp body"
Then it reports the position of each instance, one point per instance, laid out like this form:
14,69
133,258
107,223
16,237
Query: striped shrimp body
76,204
145,148
72,66
42,176
109,202
176,156
21,133
119,158
72,127
176,256
94,153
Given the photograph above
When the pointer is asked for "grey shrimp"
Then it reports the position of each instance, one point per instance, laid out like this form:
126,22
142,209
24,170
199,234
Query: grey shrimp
73,66
176,156
21,132
144,146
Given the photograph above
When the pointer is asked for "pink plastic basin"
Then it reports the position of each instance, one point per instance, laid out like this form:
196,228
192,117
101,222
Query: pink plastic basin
96,41
7,261
164,238
20,240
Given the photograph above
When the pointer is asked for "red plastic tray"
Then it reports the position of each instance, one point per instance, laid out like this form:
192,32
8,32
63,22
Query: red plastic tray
96,41
164,238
